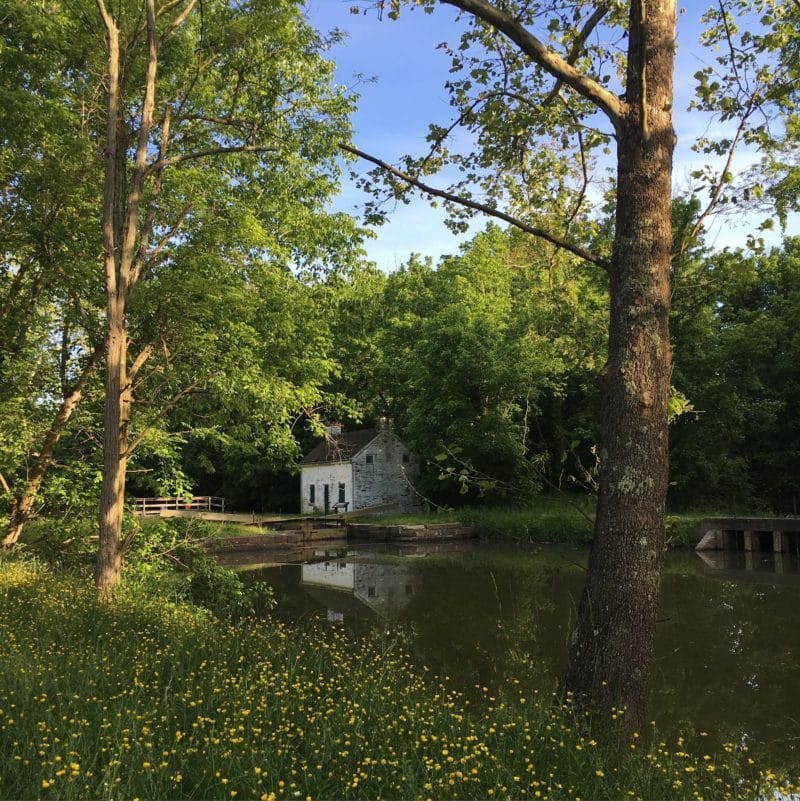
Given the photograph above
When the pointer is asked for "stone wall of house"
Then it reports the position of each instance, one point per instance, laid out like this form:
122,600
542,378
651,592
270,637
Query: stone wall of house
332,474
383,472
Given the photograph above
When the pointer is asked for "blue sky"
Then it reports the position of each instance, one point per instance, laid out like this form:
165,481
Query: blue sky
408,94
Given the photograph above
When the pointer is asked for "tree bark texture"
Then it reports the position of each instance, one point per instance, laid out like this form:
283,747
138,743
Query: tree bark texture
612,648
115,424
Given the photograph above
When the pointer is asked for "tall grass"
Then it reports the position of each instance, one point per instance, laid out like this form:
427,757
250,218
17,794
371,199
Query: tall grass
147,699
552,518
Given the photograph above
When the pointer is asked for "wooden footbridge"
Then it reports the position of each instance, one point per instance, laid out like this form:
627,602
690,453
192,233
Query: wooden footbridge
207,507
296,530
212,508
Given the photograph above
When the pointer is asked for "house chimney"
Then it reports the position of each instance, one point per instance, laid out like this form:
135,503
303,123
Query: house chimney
333,429
384,423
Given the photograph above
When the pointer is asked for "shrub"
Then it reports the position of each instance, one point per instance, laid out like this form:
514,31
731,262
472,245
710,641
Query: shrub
222,591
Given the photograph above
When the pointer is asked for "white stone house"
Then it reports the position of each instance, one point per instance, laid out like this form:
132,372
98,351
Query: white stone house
358,469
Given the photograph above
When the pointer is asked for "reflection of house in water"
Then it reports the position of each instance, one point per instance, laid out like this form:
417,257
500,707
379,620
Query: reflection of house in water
360,589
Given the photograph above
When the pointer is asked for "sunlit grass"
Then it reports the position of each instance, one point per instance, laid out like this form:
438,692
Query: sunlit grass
153,700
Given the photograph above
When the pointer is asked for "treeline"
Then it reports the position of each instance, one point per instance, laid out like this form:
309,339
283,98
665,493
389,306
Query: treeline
247,316
486,362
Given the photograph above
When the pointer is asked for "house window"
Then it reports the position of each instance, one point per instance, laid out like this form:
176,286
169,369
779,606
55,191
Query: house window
341,493
371,592
406,458
311,493
370,458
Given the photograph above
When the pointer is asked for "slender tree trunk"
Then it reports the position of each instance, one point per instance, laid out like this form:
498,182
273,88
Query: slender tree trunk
612,647
109,557
112,497
23,503
122,235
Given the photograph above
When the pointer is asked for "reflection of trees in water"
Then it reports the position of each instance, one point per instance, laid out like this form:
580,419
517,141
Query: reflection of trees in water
727,661
489,621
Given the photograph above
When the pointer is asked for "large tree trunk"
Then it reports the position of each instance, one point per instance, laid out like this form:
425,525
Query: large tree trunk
23,503
612,647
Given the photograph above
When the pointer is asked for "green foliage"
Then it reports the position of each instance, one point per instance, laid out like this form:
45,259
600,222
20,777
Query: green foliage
49,238
253,122
760,96
60,542
476,360
165,559
564,519
221,590
737,356
552,519
683,530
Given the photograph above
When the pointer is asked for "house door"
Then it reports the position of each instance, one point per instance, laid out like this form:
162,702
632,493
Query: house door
326,496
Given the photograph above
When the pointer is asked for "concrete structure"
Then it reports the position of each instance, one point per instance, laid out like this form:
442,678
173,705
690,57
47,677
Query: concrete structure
760,534
358,470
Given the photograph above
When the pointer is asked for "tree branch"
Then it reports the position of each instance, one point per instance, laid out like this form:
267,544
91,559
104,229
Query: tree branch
215,151
112,110
577,46
716,192
16,286
584,168
164,241
560,68
167,7
163,412
178,21
147,226
576,250
139,361
128,269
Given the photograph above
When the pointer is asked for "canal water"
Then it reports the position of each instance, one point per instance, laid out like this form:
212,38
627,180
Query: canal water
727,665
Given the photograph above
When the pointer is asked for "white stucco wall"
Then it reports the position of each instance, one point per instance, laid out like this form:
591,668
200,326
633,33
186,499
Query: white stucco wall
332,474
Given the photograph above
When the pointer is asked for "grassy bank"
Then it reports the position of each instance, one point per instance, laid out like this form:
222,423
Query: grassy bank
153,700
551,518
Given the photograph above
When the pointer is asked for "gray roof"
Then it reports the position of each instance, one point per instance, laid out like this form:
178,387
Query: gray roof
341,447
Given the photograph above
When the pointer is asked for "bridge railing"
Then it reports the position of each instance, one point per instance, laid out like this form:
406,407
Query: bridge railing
197,503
